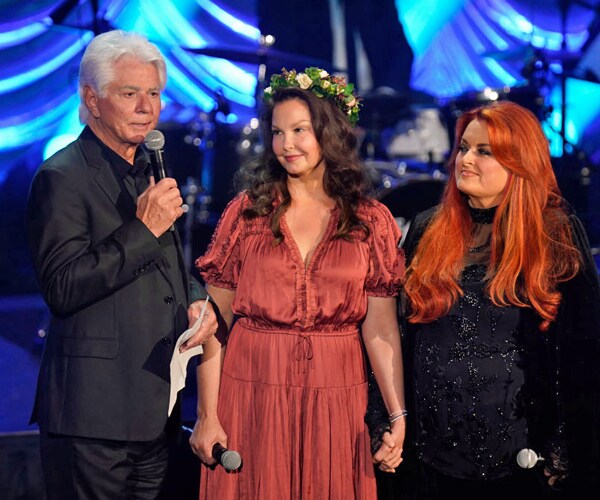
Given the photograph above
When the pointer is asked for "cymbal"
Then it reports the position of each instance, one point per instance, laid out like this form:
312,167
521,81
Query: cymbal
261,55
528,52
515,54
564,56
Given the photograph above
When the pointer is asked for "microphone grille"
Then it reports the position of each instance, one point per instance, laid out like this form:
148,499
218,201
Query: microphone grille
231,460
154,140
527,458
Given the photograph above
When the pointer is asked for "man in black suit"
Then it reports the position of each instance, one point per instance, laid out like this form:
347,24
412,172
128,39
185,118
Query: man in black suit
113,276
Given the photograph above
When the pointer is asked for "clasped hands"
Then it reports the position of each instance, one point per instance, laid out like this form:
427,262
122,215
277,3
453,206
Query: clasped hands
389,454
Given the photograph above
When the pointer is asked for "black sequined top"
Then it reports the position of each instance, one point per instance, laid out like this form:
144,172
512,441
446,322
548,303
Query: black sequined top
484,382
468,377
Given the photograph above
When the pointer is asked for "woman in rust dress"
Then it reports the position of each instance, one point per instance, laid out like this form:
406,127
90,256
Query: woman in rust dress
305,270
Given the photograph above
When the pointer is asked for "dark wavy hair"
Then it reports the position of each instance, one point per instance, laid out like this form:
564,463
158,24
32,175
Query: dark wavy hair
264,179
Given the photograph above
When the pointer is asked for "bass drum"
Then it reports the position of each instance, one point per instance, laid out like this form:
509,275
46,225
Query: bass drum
414,193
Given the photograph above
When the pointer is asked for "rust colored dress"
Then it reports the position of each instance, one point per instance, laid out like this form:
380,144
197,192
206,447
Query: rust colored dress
293,391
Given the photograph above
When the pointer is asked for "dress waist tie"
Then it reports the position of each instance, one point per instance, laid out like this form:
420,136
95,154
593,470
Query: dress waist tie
303,351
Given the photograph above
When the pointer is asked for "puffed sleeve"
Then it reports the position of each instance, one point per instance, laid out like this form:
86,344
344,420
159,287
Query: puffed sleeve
386,266
220,265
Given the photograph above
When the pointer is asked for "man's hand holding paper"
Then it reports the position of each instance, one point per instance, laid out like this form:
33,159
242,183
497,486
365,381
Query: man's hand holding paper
203,329
203,324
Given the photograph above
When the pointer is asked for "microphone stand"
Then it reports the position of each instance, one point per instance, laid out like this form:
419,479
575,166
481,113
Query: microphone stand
564,7
570,151
191,192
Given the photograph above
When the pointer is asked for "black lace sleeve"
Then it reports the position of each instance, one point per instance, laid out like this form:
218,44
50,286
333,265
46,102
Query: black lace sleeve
376,417
578,331
557,461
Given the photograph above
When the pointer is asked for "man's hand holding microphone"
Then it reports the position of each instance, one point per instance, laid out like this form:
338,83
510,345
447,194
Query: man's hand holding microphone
159,206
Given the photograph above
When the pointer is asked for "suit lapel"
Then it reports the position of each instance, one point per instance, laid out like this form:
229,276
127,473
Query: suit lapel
105,176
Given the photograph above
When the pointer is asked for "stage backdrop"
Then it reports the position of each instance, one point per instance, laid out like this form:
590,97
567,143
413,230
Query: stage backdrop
539,52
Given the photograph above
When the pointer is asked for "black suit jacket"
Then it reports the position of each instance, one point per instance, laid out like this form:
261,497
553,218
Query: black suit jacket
114,322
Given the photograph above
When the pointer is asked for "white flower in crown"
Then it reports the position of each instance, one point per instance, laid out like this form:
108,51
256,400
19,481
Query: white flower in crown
323,74
268,90
304,80
325,83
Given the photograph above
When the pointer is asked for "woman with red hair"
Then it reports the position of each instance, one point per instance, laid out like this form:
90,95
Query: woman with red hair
501,324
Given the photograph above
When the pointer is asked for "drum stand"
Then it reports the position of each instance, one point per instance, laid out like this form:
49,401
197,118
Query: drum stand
572,168
380,110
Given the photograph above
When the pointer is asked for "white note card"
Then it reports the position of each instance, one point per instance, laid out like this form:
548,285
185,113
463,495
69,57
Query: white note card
180,360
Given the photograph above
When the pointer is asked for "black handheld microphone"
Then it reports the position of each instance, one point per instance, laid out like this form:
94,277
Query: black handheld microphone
155,142
229,459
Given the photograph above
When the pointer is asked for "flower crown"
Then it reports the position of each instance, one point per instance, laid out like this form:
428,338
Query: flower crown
320,83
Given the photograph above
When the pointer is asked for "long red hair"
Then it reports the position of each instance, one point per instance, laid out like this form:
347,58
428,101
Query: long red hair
532,248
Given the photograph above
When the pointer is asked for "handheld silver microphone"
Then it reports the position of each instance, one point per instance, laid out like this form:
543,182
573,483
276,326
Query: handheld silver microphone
229,459
527,458
155,142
